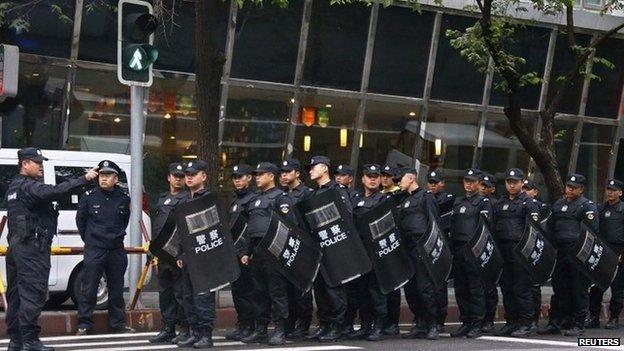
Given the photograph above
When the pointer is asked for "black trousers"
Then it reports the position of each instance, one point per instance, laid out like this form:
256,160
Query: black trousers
28,269
242,294
299,308
378,301
491,301
270,294
199,309
358,300
617,291
420,293
170,294
441,298
570,299
536,294
393,300
331,302
113,263
516,286
469,287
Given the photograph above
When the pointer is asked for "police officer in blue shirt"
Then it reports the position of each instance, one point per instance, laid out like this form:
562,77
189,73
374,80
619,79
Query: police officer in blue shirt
102,217
170,288
511,213
468,210
570,299
611,231
32,223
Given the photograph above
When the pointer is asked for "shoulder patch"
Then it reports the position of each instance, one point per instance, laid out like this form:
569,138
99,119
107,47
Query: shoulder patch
485,199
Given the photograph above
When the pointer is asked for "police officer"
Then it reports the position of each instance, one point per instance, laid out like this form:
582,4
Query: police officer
469,287
242,288
611,231
170,292
570,299
300,308
32,221
199,309
331,302
344,175
388,173
270,286
102,217
488,189
436,184
511,213
416,211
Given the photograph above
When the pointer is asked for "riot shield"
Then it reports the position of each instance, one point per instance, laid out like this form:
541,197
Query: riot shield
297,255
595,258
435,253
484,253
238,228
209,253
391,263
536,253
166,245
344,255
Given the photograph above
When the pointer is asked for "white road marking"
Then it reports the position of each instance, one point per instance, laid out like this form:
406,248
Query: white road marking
305,348
99,336
546,342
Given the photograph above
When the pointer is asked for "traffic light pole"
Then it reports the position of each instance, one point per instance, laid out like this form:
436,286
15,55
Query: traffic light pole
137,131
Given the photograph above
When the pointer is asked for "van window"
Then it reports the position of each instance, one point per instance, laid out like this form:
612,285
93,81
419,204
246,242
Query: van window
7,173
70,201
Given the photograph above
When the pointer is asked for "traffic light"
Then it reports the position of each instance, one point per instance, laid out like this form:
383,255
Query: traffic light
135,53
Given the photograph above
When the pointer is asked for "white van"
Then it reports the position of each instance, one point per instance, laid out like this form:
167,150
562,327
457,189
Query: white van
66,271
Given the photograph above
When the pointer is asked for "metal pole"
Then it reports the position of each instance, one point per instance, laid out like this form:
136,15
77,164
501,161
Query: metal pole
137,126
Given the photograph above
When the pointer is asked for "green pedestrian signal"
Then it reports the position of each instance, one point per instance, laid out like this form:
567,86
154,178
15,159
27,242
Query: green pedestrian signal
135,52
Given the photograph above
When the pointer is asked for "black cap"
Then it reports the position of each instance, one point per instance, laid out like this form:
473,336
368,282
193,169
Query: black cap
575,180
529,184
344,169
107,166
176,168
487,179
31,153
315,160
472,174
241,170
266,167
435,176
291,164
615,184
371,169
514,173
195,166
405,170
389,170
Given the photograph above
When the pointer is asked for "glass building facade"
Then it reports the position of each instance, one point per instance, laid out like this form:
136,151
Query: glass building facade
357,83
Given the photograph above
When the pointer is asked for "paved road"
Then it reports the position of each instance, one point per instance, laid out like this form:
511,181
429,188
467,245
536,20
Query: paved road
138,342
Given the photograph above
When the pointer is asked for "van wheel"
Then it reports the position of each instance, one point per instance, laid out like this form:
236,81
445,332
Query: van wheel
102,291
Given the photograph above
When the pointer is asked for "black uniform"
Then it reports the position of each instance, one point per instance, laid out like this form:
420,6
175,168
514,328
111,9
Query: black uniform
516,285
32,221
415,213
242,288
570,300
445,203
611,231
102,218
170,288
469,287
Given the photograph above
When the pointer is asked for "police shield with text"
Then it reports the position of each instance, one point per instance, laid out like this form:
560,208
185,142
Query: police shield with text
32,223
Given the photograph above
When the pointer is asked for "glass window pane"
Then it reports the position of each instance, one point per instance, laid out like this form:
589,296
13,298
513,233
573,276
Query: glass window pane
562,64
336,45
603,99
388,136
48,33
33,117
7,173
593,158
450,140
619,164
532,45
564,137
267,40
401,51
325,127
455,79
98,33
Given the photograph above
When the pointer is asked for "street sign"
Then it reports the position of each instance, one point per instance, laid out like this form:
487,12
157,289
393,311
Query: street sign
9,69
135,36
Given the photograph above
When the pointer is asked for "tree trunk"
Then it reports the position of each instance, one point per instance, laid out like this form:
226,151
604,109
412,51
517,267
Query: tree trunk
209,62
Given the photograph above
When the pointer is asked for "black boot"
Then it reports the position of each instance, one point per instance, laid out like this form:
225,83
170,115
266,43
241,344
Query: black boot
301,331
576,330
193,337
347,330
434,332
35,345
487,326
523,330
182,335
205,342
475,331
320,331
592,322
167,333
462,331
279,336
360,334
507,329
333,335
377,333
259,335
236,334
552,328
613,324
392,329
14,345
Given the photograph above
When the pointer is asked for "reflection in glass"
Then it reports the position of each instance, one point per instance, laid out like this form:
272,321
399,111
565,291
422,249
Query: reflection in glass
593,158
603,99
